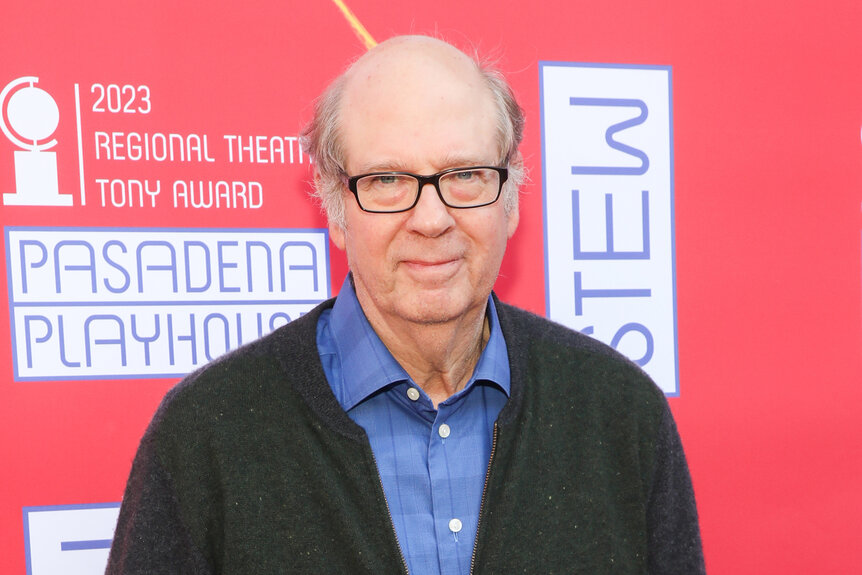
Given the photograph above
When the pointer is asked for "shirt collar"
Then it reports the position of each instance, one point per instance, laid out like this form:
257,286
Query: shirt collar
368,367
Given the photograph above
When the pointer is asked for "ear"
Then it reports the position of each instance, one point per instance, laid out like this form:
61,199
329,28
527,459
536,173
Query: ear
336,234
512,219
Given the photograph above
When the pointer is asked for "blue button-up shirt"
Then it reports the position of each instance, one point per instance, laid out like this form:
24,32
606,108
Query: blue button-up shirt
432,462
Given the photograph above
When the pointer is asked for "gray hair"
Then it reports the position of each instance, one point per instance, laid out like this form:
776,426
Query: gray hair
320,139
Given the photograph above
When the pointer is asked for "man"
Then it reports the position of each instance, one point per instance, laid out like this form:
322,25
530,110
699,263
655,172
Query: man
415,424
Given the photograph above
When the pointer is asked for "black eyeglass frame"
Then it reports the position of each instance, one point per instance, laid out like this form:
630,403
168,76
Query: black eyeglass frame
434,180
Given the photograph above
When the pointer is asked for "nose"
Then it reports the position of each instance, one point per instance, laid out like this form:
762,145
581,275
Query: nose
430,216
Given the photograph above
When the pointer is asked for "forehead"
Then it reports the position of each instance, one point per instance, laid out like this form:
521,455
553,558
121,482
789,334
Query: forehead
416,104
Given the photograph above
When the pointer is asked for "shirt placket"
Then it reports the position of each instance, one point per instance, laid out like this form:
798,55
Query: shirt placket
450,522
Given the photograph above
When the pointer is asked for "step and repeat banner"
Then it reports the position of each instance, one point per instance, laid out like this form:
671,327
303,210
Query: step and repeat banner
694,200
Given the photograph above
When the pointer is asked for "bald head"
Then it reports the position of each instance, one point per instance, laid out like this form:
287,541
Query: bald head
391,87
404,94
411,62
405,52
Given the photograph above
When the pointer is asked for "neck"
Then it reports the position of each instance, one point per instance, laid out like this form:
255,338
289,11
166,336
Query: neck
440,358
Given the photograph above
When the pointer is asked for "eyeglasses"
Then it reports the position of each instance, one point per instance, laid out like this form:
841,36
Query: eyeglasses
391,192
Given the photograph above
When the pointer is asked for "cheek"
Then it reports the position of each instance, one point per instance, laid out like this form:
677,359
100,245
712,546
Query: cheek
366,247
493,233
373,236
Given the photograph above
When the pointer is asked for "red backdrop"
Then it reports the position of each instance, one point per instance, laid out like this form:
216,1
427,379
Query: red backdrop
767,110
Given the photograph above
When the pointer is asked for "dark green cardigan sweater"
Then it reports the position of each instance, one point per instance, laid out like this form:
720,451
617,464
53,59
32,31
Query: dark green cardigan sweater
250,467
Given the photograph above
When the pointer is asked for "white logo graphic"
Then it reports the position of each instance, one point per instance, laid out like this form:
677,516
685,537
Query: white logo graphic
69,539
33,115
608,190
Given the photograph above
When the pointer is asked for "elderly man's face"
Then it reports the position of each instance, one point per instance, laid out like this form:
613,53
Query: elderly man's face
420,107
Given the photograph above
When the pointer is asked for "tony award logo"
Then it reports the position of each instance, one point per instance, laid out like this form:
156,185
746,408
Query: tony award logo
33,116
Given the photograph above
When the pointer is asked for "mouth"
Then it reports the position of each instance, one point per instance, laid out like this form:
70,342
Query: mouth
432,269
422,263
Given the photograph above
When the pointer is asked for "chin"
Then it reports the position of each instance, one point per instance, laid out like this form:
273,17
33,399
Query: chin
436,309
436,318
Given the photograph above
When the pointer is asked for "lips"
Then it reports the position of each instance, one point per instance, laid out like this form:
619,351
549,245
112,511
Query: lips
432,269
430,263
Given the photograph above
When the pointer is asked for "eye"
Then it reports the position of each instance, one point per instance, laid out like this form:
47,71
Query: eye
386,179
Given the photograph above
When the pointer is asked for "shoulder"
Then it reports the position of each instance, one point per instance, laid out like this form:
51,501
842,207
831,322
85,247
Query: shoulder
256,377
571,369
541,338
581,392
527,325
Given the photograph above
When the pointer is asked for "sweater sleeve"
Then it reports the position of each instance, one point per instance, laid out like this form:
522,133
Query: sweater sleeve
674,535
150,535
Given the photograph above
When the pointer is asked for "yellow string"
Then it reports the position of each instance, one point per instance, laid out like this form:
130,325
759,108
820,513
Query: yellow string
357,26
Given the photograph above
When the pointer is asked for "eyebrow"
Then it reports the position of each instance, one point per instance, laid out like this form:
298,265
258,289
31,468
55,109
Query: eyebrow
449,161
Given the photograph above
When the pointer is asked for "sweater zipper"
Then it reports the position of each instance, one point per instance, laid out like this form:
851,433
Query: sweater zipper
482,502
389,513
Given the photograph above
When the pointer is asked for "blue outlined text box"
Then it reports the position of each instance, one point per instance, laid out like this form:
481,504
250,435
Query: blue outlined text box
69,539
90,303
607,157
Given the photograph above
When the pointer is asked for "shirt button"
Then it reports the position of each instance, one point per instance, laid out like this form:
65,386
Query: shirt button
455,525
444,432
413,393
